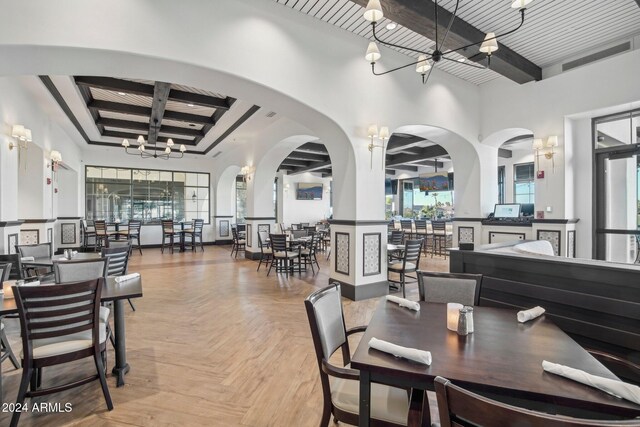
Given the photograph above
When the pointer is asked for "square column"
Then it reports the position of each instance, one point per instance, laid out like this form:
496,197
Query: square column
255,225
359,258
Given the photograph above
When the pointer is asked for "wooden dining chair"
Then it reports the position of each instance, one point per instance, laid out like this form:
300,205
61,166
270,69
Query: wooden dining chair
102,235
422,232
397,237
340,384
117,262
238,243
195,234
60,324
441,238
39,250
460,407
67,271
168,232
463,288
406,225
308,255
408,264
283,258
135,227
266,253
5,347
88,232
17,271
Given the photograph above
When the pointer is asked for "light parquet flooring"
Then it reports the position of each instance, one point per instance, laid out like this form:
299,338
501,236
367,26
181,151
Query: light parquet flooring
212,343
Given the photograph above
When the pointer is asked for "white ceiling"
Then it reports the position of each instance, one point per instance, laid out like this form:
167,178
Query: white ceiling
553,30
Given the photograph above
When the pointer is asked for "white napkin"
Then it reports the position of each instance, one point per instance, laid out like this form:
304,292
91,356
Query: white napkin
27,258
532,313
412,305
74,253
420,356
617,388
127,277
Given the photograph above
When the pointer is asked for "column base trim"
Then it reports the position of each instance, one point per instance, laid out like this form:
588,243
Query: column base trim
362,292
252,255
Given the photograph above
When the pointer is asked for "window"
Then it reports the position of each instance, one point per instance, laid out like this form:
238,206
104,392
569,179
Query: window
523,182
241,199
501,187
115,194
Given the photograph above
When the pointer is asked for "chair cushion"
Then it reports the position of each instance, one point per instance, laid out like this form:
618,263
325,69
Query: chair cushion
388,404
305,252
288,254
398,266
104,314
241,242
267,250
60,345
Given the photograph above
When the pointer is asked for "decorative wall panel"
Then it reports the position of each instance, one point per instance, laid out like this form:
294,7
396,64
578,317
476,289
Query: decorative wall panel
12,240
465,234
68,232
501,237
249,235
29,237
571,244
342,253
553,237
224,228
371,254
49,235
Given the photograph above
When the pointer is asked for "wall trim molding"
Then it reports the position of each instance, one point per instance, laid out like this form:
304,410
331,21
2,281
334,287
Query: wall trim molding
10,223
357,222
223,216
555,221
362,292
260,218
69,217
38,220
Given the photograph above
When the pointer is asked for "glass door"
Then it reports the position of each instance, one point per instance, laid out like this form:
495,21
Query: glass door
617,202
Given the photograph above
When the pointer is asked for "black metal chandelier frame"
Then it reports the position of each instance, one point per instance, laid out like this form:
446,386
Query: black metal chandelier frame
163,153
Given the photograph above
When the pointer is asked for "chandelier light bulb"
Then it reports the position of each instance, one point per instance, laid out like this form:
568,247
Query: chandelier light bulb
125,143
170,142
520,4
537,144
182,148
141,147
140,140
384,133
423,64
372,131
373,12
373,53
490,44
167,150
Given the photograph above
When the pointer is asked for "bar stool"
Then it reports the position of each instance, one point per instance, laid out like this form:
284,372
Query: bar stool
440,238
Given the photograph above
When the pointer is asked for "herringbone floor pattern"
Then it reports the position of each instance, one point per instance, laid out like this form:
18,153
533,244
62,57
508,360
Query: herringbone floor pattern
212,343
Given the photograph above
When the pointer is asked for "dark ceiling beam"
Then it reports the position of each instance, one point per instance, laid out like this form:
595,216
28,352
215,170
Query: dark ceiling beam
504,153
136,110
431,163
286,167
127,124
325,171
301,155
313,147
327,175
199,99
396,143
158,105
85,92
214,119
297,163
390,172
425,153
638,2
404,168
310,168
419,16
133,136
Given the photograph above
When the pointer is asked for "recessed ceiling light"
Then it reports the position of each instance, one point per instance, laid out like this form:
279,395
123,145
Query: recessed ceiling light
189,105
462,59
391,26
121,93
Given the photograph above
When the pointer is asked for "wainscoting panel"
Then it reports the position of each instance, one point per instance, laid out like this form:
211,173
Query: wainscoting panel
342,253
371,254
553,237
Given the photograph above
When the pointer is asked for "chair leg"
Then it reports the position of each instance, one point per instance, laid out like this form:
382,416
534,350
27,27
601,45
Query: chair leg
7,348
271,266
133,307
402,279
103,380
22,393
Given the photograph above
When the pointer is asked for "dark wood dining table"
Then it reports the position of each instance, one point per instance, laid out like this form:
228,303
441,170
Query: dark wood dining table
48,261
501,359
111,291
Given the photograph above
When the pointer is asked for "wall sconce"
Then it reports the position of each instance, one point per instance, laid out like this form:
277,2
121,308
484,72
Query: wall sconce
23,138
383,135
539,144
247,171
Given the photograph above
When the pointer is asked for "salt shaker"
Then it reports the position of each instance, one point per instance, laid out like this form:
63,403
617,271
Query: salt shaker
463,325
469,318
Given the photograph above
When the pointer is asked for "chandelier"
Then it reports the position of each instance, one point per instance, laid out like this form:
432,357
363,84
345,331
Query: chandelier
428,60
165,154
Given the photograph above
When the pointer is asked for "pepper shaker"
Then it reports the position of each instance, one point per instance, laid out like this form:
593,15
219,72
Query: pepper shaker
469,318
463,326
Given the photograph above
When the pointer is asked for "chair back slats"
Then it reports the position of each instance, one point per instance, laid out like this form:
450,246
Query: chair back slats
262,237
278,242
391,225
397,237
198,224
16,266
40,250
234,232
421,226
298,234
439,227
167,226
52,311
134,227
412,251
406,225
309,230
101,227
5,271
74,271
118,259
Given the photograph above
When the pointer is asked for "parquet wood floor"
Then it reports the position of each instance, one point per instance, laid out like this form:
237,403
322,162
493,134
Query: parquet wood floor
212,343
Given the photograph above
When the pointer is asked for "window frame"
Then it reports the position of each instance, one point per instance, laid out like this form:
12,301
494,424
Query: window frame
531,181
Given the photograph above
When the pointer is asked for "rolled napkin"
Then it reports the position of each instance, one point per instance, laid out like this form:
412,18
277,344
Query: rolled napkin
74,253
27,258
419,356
127,277
412,305
532,313
614,387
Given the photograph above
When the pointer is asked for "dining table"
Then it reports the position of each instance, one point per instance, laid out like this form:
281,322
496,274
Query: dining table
501,359
183,231
112,291
48,261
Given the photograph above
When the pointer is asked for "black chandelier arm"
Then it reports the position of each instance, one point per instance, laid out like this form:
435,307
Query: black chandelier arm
493,38
435,7
469,64
373,69
425,80
375,36
446,33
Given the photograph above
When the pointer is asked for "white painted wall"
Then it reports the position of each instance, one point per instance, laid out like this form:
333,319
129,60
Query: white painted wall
296,211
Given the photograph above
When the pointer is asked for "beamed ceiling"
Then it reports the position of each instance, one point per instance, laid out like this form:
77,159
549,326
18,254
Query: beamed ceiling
106,110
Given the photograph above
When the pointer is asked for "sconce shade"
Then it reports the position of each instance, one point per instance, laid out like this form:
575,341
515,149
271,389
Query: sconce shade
552,141
170,142
537,144
141,147
384,133
373,11
490,44
423,65
167,150
125,143
27,135
373,53
182,148
140,140
56,157
17,131
519,4
372,131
